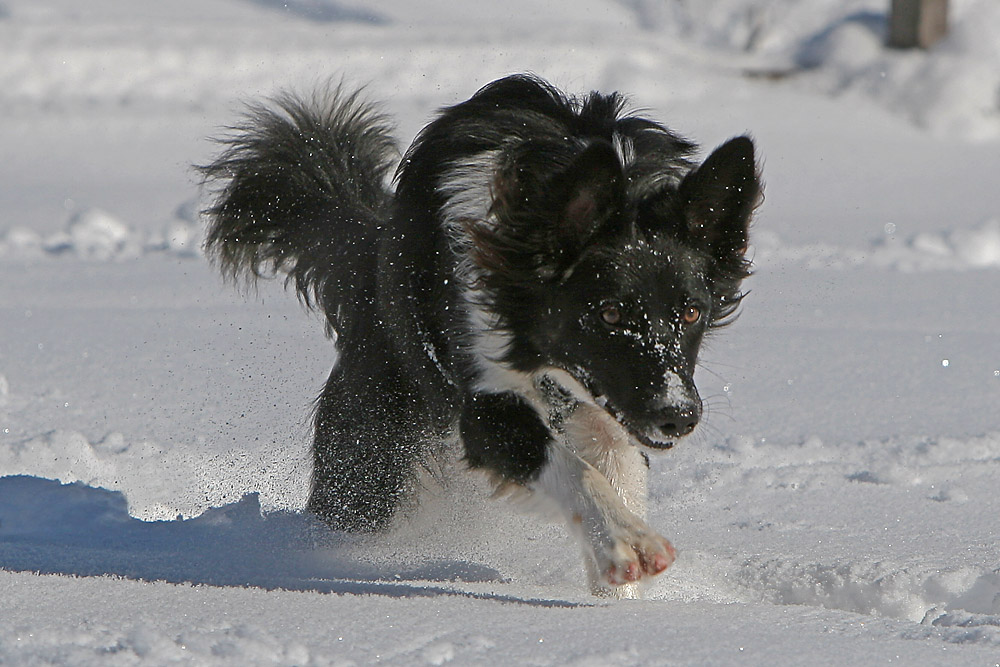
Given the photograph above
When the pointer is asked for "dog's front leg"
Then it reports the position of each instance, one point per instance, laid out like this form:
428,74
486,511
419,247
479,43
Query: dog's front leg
504,434
596,438
621,547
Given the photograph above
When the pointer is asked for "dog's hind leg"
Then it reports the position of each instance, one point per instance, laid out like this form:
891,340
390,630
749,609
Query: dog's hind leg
368,443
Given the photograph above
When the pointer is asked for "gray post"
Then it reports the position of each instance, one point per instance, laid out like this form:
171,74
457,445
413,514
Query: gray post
917,23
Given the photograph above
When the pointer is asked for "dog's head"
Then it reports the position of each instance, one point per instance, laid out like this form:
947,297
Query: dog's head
613,271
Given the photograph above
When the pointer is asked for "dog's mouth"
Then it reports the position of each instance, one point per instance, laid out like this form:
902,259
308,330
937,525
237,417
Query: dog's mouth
567,388
644,438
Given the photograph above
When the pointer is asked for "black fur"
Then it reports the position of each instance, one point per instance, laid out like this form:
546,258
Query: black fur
582,237
504,434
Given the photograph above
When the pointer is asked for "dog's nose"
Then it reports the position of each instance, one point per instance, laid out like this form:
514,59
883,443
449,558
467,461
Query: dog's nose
679,421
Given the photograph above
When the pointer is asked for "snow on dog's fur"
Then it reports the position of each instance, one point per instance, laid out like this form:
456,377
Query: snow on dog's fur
538,284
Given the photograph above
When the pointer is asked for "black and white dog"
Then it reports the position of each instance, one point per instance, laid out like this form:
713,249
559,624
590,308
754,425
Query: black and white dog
536,287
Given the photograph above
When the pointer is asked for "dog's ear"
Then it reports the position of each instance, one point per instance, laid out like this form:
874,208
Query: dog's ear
545,220
717,199
587,193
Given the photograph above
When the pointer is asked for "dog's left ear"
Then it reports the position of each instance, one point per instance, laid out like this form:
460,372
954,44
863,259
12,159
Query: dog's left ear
717,199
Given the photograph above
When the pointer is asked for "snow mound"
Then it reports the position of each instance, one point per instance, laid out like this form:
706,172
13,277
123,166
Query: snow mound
93,233
84,530
111,462
953,90
838,49
960,627
184,484
96,235
957,250
887,589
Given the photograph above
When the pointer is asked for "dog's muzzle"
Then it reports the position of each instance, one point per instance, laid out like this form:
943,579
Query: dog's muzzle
661,427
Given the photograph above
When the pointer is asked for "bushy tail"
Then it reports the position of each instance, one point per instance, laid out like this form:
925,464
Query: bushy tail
299,188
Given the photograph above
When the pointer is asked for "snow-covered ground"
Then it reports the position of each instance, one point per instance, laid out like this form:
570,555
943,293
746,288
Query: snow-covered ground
838,507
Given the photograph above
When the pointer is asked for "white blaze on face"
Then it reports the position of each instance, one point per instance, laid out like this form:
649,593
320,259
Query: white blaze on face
676,393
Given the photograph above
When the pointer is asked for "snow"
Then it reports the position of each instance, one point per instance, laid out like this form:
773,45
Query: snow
970,248
838,505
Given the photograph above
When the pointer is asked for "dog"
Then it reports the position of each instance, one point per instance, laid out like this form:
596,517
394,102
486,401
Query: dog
535,286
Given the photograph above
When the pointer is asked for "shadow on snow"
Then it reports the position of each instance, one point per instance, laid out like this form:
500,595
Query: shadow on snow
74,529
324,11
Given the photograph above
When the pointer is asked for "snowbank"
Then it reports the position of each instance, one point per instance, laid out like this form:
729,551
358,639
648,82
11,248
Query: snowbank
94,234
838,49
832,47
956,250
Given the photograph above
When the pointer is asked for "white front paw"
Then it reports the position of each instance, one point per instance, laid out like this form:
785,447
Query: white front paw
631,553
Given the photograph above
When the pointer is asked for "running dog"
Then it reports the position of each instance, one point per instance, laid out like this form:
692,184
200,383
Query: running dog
534,283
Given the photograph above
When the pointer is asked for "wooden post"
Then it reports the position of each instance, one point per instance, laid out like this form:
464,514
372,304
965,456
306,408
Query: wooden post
917,23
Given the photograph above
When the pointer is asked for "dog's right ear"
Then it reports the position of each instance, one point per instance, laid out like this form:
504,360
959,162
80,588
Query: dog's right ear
587,194
545,221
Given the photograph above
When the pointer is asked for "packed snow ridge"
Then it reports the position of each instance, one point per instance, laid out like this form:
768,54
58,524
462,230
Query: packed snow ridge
977,247
95,234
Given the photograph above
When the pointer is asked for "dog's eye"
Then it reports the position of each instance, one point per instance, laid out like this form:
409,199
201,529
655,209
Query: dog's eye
692,314
611,314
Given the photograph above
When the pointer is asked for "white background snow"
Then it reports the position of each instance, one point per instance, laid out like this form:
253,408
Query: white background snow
840,505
